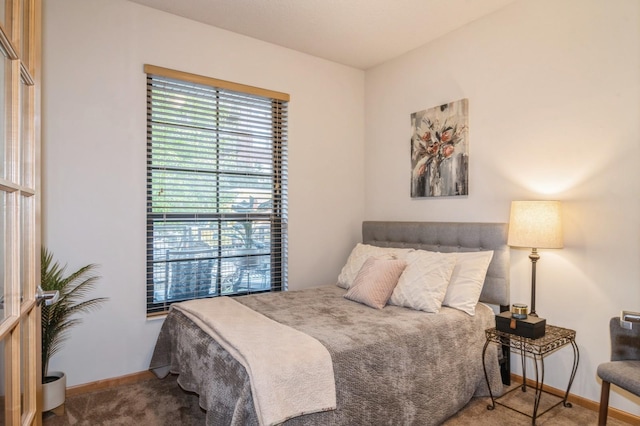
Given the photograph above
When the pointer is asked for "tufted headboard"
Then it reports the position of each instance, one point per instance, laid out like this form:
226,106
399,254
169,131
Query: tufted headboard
451,237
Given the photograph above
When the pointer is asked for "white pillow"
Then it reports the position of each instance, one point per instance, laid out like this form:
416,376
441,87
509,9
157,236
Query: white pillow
375,281
424,282
467,280
359,254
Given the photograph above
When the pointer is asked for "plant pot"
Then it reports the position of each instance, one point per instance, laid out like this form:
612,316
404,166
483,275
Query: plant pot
53,392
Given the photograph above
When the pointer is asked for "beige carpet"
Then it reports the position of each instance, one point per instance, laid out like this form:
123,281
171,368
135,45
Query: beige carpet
161,402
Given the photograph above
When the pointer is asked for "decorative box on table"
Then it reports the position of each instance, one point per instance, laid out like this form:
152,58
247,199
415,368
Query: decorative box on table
531,327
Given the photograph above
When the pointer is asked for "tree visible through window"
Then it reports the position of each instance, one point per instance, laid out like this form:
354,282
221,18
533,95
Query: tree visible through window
216,188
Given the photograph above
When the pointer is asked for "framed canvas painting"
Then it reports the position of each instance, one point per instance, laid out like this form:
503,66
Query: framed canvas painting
440,150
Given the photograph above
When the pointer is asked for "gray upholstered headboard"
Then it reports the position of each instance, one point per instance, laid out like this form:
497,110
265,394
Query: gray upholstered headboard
451,237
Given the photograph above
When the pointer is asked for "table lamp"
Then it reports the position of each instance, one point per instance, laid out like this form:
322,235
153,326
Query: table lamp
535,224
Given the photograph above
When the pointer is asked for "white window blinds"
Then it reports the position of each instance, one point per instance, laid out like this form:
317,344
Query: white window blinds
216,188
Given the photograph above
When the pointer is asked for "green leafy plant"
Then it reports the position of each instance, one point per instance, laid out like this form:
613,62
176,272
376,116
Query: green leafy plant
60,317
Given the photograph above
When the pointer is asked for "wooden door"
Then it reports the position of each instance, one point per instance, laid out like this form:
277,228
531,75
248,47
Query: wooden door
20,381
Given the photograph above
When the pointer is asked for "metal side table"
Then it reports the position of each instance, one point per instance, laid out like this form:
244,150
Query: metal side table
554,338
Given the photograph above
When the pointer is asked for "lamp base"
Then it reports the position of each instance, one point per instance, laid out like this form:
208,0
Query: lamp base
534,256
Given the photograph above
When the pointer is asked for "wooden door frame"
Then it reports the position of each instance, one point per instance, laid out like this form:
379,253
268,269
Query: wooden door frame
20,41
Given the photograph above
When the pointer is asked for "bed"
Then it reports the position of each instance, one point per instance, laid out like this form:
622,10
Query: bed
390,366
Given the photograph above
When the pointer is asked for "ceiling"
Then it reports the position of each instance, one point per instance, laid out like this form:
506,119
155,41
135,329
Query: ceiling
357,33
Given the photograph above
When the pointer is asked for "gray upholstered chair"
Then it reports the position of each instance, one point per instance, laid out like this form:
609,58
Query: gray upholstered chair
624,368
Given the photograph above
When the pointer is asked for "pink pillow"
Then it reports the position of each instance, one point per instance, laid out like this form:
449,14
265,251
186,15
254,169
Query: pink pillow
375,281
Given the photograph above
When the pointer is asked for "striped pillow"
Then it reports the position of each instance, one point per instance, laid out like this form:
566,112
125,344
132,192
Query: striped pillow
424,282
375,281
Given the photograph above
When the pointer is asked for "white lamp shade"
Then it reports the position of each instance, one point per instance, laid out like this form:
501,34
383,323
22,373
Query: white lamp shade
535,224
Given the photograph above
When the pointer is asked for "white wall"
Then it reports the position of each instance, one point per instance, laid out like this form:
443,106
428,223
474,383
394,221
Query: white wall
94,139
554,100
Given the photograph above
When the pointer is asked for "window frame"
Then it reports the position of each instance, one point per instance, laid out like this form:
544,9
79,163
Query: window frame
276,216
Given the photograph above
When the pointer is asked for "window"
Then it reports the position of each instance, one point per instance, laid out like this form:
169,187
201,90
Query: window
216,188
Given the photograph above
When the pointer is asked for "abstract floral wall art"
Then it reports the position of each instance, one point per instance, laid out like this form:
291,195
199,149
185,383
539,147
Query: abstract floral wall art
440,150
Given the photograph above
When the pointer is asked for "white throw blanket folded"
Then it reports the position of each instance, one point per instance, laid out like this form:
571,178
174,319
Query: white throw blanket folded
291,373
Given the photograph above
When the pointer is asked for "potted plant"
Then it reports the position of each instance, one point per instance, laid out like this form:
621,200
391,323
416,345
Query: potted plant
60,317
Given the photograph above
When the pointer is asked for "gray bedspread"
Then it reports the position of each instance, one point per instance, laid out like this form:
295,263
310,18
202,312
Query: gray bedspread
393,366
